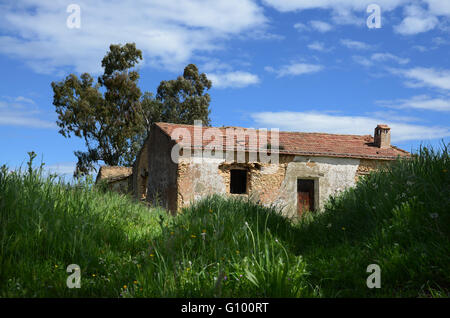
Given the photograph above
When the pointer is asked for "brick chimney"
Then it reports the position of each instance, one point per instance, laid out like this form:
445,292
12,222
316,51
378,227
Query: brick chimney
382,136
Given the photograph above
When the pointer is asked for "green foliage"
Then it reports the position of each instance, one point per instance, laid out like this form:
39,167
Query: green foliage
114,117
397,218
184,99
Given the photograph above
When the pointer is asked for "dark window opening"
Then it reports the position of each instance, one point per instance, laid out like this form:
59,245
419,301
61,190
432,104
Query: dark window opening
238,181
305,195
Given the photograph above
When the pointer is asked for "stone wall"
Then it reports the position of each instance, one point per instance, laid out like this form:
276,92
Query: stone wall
121,185
140,174
366,166
271,184
162,181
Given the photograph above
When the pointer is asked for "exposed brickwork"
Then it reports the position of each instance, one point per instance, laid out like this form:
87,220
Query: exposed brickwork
366,166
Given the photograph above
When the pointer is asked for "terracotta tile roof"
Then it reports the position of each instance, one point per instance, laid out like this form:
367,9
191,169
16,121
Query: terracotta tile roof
113,173
299,143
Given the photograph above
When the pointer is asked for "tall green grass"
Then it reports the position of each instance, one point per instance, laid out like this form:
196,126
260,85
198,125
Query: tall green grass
216,248
397,218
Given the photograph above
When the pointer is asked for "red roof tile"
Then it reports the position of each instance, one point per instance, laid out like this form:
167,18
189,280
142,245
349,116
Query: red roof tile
297,143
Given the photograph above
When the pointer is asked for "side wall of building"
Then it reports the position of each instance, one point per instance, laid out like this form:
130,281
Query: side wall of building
271,184
162,171
140,173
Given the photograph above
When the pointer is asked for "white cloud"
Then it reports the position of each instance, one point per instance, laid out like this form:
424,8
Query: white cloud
439,7
419,15
417,20
420,48
336,5
24,99
420,102
316,25
337,124
381,57
343,12
237,79
414,25
321,26
422,76
21,111
364,61
357,45
300,26
295,69
378,57
318,46
170,33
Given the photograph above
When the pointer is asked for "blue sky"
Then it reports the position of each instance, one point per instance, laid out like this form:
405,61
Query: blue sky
303,65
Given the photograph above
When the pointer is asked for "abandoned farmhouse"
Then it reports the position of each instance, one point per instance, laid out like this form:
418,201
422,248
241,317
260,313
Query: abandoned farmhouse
309,167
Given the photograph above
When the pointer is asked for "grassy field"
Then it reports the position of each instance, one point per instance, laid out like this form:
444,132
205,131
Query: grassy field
398,219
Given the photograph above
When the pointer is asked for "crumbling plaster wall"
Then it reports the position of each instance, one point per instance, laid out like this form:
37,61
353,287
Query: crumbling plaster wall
270,184
330,175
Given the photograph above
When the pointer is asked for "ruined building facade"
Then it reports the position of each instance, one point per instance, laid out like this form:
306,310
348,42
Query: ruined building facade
309,168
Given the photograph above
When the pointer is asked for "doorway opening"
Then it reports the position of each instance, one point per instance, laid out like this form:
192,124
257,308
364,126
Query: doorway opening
305,196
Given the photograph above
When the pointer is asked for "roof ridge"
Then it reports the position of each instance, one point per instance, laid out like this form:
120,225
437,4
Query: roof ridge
258,129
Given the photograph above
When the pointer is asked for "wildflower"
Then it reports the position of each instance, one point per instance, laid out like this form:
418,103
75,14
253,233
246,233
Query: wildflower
188,269
225,278
56,266
203,231
193,236
329,225
124,286
93,275
135,282
172,233
343,228
210,211
434,215
237,252
152,255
